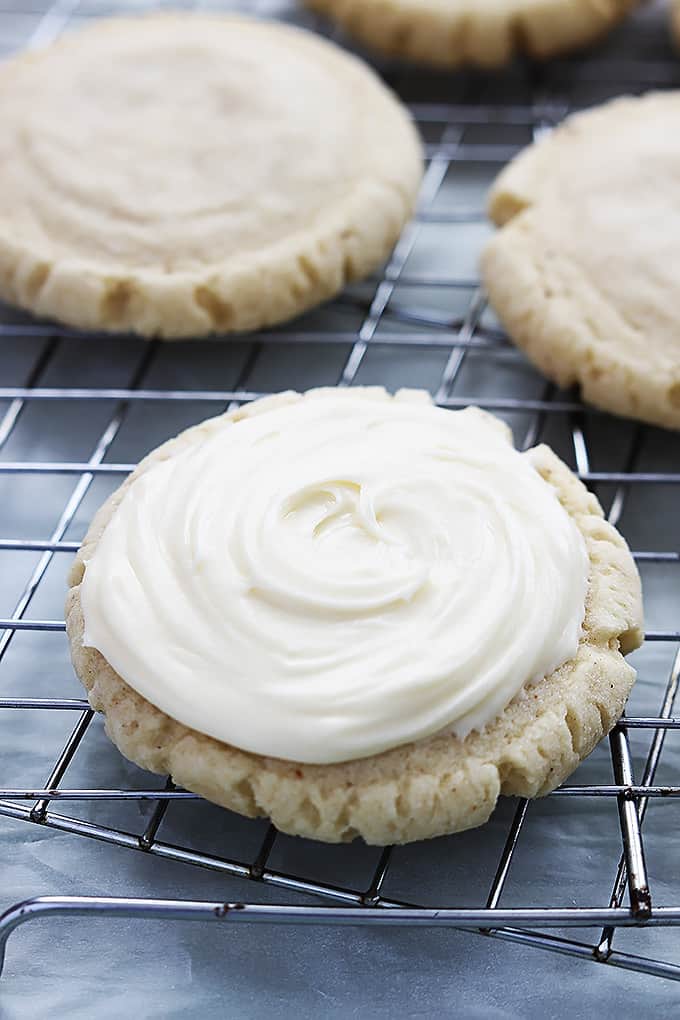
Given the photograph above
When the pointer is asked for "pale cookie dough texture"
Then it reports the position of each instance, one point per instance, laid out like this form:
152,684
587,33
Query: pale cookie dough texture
583,273
182,175
450,33
437,785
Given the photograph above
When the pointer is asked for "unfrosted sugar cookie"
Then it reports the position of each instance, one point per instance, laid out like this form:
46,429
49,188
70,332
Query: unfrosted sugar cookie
180,175
584,271
448,33
355,614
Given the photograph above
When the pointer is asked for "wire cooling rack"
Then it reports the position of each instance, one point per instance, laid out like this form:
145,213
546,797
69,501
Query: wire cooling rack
78,411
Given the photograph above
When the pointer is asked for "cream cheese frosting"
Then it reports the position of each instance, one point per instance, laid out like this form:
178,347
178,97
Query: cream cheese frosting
332,576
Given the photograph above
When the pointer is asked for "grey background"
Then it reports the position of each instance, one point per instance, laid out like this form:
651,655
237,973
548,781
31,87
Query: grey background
568,848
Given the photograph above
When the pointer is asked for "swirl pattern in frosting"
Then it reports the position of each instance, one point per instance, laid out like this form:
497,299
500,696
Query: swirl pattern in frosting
335,575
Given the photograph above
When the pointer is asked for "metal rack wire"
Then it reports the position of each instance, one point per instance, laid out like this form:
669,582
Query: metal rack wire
407,311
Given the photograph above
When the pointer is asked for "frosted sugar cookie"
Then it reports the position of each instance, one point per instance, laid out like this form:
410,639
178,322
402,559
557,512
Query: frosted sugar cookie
355,614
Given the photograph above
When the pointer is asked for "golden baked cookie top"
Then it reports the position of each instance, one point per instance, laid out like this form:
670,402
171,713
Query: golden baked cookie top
584,269
186,174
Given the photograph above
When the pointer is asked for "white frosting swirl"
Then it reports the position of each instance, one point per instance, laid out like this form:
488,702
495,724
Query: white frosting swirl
338,575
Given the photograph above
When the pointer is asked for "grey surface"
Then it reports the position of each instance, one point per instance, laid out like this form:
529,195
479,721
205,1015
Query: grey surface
568,848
